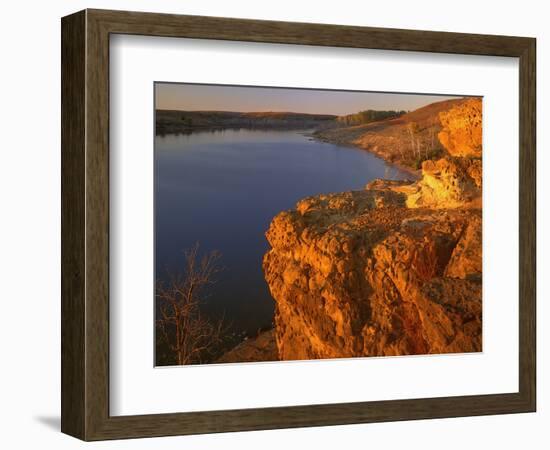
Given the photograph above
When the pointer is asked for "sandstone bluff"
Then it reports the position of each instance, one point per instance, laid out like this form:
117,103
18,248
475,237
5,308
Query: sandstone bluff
394,269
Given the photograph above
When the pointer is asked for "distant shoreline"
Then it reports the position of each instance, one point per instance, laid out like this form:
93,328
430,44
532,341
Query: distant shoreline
316,134
404,140
172,121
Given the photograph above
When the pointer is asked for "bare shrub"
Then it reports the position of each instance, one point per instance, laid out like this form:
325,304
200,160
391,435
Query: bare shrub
413,129
189,335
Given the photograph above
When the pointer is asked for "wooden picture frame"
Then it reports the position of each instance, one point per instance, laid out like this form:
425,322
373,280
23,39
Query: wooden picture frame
85,224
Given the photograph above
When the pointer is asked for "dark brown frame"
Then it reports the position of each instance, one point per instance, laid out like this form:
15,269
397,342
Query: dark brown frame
85,224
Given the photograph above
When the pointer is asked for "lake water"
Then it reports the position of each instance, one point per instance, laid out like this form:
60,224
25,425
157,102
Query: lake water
223,188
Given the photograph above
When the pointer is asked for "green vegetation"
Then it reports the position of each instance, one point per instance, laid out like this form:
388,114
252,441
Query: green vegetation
368,116
416,161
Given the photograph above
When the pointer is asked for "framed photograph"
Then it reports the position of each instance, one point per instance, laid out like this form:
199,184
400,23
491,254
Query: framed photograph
270,225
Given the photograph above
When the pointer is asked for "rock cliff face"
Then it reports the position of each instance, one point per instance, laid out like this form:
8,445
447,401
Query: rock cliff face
358,274
462,126
394,269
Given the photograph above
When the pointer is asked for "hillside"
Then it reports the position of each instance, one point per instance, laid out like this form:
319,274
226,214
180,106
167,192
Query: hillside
407,140
171,121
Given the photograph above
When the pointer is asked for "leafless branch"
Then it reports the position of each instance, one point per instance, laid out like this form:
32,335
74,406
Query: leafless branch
189,335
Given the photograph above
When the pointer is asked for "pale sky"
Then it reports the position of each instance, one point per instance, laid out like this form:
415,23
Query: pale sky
197,97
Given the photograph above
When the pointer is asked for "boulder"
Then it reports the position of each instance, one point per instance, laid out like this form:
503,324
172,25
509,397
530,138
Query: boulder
445,184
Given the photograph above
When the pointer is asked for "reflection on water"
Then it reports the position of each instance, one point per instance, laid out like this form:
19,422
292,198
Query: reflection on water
222,189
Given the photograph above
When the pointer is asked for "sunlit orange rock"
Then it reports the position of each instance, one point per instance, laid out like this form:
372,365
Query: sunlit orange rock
461,133
360,274
445,183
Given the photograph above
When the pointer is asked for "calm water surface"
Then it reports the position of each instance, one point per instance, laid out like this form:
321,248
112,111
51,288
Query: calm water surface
223,188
